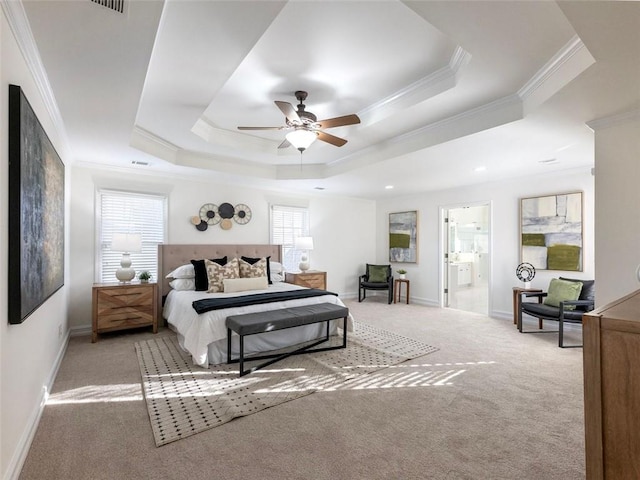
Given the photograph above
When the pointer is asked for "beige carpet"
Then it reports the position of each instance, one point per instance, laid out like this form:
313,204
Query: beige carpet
184,399
490,404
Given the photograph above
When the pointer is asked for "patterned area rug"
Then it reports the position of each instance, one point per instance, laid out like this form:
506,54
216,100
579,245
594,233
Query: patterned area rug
183,399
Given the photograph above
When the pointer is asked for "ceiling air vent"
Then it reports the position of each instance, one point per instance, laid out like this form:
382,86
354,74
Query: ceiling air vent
115,5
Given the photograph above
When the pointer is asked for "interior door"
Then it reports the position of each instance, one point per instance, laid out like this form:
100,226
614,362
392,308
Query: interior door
466,258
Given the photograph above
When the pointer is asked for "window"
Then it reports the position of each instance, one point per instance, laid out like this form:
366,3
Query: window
127,212
288,223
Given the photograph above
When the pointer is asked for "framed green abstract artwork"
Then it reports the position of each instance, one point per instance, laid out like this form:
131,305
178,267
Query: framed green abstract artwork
551,232
403,237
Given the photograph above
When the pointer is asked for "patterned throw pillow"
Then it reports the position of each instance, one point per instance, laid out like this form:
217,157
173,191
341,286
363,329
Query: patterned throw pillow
253,260
253,270
217,273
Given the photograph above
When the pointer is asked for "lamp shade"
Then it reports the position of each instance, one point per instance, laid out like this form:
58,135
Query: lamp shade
301,138
304,243
127,242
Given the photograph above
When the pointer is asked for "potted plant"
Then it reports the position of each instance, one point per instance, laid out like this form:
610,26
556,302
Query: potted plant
402,273
144,276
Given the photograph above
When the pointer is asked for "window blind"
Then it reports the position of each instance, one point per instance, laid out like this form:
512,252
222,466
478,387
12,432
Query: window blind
128,212
288,223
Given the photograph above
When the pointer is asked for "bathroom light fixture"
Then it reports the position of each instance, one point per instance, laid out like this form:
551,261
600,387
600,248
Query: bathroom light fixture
301,138
126,243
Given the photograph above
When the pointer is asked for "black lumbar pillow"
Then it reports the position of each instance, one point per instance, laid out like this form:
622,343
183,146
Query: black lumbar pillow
201,279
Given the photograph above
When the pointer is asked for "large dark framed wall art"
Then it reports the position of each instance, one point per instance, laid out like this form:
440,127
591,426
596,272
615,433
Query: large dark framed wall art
551,231
403,237
36,211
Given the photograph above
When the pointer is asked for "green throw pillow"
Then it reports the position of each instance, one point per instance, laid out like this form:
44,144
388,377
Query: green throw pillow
561,291
378,273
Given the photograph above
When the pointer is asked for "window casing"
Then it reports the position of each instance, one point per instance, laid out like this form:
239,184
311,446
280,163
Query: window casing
129,212
288,223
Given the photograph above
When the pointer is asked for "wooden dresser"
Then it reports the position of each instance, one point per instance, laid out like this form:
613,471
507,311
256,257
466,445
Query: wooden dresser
310,279
612,389
119,306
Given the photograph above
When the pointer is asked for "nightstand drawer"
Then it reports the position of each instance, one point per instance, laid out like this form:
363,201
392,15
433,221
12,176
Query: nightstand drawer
130,319
315,279
115,298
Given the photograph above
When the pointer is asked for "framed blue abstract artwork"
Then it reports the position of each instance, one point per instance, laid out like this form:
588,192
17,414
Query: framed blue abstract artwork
36,211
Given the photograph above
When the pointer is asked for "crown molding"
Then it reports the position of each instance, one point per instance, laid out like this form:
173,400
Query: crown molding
613,120
150,143
19,24
566,65
437,82
487,110
555,63
218,136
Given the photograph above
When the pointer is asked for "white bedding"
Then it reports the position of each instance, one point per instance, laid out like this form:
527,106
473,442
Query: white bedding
205,336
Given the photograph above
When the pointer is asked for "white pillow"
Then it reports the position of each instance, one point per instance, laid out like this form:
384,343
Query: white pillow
183,284
243,284
276,277
275,267
184,271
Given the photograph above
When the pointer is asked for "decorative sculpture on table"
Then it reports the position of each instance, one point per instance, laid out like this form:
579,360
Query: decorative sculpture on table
525,273
212,214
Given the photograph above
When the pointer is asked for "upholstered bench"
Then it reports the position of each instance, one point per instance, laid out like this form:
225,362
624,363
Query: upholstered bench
274,320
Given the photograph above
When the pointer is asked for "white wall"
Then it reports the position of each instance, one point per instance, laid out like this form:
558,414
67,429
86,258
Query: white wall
30,352
504,198
617,168
343,229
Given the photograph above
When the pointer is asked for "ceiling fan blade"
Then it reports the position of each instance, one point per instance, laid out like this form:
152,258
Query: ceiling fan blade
339,121
332,139
289,112
284,144
260,128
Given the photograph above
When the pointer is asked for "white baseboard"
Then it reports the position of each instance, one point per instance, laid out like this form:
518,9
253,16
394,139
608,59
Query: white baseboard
20,454
81,331
501,315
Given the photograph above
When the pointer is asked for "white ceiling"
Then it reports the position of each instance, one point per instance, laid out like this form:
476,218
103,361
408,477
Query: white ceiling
441,87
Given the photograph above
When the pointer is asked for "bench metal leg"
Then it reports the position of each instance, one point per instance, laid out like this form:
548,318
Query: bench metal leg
281,356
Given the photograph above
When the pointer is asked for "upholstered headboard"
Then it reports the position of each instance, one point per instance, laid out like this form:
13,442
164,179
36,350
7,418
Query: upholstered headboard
172,256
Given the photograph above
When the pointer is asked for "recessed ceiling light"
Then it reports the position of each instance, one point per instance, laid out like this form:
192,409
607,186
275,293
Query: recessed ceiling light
480,169
388,187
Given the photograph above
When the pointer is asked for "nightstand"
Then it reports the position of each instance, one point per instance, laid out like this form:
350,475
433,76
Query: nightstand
310,279
120,306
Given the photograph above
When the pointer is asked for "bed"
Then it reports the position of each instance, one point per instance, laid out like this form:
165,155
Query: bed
204,335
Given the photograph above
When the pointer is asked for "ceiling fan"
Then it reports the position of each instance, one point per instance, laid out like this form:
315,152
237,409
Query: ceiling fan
305,127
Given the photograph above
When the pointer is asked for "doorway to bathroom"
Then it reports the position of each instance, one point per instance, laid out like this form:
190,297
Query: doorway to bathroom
466,253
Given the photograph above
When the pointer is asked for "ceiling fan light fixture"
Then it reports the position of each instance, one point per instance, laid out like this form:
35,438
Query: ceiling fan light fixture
301,138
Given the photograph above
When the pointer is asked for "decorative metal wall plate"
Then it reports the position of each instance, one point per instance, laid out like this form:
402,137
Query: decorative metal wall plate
212,214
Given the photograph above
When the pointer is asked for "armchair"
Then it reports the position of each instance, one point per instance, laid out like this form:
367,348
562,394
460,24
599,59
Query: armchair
566,301
376,277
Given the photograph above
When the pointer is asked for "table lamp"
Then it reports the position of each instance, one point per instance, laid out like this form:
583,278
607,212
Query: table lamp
126,243
304,244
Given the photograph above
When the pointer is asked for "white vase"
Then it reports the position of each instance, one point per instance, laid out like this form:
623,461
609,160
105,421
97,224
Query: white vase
402,276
